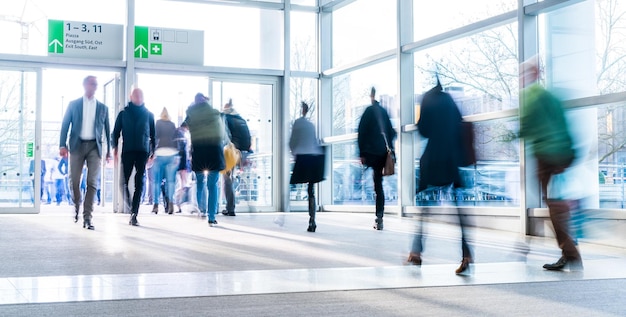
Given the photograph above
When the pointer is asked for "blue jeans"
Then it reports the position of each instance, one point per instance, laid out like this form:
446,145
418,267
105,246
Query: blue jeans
164,167
208,181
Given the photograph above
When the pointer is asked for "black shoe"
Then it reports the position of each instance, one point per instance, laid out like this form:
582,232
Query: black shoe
311,227
155,209
464,268
133,220
212,223
87,225
75,216
170,208
378,225
563,263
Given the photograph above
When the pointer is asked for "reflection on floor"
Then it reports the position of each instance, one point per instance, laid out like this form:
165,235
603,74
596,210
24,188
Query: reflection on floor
172,256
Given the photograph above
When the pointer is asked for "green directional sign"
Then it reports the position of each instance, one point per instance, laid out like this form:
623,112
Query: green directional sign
141,42
85,39
55,36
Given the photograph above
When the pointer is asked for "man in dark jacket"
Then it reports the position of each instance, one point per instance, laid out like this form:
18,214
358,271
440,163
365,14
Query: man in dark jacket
207,153
440,122
375,135
136,125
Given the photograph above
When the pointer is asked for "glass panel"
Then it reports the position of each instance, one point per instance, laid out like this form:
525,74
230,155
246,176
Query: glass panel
434,17
495,181
611,156
24,23
254,39
173,92
610,44
351,95
17,138
363,28
254,102
588,34
352,183
302,89
303,41
305,2
480,71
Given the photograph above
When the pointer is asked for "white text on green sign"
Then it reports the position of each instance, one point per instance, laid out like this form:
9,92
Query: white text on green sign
85,39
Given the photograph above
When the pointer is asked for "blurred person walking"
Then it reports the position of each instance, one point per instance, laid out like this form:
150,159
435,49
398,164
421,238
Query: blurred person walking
87,121
165,162
239,134
135,124
64,169
440,122
375,136
544,127
309,166
207,153
182,189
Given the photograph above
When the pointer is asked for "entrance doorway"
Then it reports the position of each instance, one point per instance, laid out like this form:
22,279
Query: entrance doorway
254,181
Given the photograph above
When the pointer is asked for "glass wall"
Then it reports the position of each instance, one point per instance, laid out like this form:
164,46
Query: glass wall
303,41
480,71
435,17
17,140
234,36
351,93
363,28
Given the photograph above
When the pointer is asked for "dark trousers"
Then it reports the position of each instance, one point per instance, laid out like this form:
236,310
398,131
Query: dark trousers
136,160
418,240
229,191
559,210
377,162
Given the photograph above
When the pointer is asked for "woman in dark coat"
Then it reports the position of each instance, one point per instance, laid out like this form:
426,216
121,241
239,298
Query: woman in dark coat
440,122
309,166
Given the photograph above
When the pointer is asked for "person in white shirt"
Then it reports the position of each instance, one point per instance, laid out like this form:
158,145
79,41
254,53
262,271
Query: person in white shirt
87,122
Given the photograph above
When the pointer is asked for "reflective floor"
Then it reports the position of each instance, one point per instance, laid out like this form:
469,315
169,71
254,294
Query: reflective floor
51,259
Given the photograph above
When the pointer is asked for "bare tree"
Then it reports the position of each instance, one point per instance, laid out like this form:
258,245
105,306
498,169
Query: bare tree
611,59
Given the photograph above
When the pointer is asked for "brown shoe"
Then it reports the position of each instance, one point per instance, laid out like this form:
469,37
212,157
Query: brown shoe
464,268
414,259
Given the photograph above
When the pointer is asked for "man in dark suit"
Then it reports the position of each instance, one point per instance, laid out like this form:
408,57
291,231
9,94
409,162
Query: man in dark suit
89,121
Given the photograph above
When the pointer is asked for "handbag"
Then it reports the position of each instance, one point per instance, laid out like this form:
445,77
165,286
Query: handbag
390,161
231,157
231,153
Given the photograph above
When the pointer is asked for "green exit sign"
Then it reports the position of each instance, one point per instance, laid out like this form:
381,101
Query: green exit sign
30,149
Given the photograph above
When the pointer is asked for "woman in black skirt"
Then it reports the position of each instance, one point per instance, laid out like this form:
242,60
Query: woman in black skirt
309,167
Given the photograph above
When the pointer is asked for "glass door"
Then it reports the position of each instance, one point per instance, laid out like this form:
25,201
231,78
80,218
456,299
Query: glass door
255,101
21,169
108,176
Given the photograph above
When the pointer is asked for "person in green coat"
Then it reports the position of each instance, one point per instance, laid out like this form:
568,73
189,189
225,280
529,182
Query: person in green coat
544,127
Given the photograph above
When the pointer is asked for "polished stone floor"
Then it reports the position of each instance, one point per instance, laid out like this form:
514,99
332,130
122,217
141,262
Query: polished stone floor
49,259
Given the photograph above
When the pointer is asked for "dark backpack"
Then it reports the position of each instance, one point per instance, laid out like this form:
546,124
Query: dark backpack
239,132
